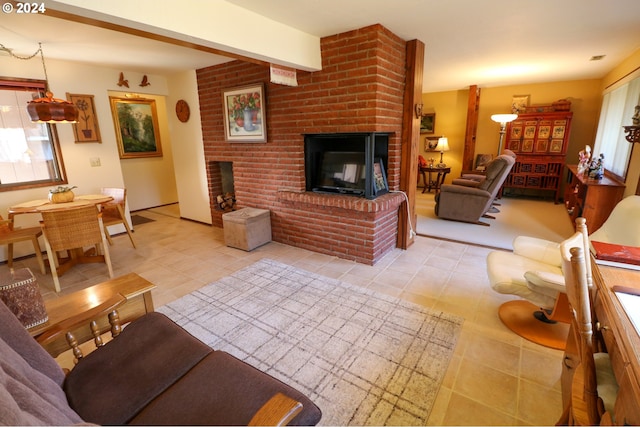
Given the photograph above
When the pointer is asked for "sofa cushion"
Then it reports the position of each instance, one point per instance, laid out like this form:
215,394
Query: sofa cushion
111,384
236,395
30,379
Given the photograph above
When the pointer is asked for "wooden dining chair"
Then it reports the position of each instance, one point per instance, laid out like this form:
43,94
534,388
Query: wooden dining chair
10,235
71,230
114,212
594,387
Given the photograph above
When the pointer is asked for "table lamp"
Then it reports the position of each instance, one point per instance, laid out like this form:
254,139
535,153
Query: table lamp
443,145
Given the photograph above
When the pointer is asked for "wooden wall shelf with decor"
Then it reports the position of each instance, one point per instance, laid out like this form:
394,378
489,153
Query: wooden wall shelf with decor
540,142
593,199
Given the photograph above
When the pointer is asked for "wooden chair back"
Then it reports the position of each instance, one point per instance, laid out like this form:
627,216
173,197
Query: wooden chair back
72,229
586,407
114,212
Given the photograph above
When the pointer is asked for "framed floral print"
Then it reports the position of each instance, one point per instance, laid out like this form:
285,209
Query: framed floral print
86,130
136,123
244,114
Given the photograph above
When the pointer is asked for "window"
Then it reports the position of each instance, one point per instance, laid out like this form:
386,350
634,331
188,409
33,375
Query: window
618,106
30,153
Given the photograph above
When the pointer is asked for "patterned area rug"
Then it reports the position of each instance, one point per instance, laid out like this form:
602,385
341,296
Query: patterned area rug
363,357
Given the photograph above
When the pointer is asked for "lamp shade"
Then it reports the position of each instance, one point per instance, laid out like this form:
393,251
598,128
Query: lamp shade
443,144
504,118
52,110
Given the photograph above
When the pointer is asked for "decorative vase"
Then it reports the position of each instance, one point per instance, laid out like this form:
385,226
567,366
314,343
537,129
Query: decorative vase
248,124
63,197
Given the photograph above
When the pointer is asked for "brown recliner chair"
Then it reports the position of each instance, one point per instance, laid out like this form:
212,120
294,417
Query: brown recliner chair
468,203
152,373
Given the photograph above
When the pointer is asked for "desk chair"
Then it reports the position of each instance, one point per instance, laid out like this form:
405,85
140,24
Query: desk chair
71,230
9,236
113,212
534,272
594,387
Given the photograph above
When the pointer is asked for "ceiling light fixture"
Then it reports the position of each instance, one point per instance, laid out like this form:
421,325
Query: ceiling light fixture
47,109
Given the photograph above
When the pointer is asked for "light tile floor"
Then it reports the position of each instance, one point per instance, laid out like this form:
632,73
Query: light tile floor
494,378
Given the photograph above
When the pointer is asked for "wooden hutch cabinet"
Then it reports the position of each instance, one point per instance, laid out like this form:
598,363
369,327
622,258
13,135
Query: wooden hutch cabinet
592,199
540,142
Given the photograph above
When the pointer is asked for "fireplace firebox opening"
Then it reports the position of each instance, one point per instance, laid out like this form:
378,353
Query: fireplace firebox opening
347,163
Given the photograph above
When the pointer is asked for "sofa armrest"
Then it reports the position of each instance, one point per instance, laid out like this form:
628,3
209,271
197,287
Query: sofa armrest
464,190
466,182
541,250
278,411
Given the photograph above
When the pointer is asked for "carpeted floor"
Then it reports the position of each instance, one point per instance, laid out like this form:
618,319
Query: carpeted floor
363,357
517,216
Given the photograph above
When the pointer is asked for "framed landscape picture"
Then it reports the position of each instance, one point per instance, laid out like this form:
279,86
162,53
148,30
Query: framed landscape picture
428,123
136,124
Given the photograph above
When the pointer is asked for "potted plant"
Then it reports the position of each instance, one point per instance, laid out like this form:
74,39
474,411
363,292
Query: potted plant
61,194
84,106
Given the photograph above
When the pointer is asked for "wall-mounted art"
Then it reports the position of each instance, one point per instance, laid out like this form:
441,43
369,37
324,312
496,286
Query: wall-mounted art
86,130
244,114
136,123
428,123
519,104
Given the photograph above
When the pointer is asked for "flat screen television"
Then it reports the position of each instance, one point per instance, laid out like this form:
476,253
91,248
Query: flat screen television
342,172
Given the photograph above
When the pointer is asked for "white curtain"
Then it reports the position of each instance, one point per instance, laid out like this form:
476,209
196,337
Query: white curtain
618,106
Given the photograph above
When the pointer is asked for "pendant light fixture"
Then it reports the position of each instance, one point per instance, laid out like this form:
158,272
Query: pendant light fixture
48,109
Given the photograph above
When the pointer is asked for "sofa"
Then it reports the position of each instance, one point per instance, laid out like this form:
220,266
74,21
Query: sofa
152,373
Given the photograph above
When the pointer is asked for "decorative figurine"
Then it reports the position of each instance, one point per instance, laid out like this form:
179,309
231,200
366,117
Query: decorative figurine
584,156
596,169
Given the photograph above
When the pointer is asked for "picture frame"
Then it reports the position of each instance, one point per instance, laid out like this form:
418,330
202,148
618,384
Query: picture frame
431,143
428,123
380,185
245,117
519,104
87,129
136,125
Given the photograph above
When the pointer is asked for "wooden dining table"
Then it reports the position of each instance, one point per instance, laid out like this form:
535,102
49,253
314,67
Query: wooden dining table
78,255
39,205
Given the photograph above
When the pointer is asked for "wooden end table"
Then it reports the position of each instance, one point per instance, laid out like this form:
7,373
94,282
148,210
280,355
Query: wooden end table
430,183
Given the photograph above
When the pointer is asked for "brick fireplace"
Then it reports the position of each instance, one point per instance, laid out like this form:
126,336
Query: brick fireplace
359,89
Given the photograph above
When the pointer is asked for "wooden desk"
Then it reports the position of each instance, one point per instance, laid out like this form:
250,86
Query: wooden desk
133,287
435,184
617,335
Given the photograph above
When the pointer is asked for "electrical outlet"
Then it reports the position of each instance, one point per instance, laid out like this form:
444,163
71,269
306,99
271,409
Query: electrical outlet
95,161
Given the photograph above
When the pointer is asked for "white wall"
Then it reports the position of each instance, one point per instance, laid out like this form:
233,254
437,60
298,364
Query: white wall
188,152
149,181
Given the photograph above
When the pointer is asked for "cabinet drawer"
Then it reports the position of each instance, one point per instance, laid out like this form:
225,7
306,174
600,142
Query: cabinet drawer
604,328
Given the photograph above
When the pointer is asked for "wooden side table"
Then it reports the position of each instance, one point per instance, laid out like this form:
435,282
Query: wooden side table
134,288
441,173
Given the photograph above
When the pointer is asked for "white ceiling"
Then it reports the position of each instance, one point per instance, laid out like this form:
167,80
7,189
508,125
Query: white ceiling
468,42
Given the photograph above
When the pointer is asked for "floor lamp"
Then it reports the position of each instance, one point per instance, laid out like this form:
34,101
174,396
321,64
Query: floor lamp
503,119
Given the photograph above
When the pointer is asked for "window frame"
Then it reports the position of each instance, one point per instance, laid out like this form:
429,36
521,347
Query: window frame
14,83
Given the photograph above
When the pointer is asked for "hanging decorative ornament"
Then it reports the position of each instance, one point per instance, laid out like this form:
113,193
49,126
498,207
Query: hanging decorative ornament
48,109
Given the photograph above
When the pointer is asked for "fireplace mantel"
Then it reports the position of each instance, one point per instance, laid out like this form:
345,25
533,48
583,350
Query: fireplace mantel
386,202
